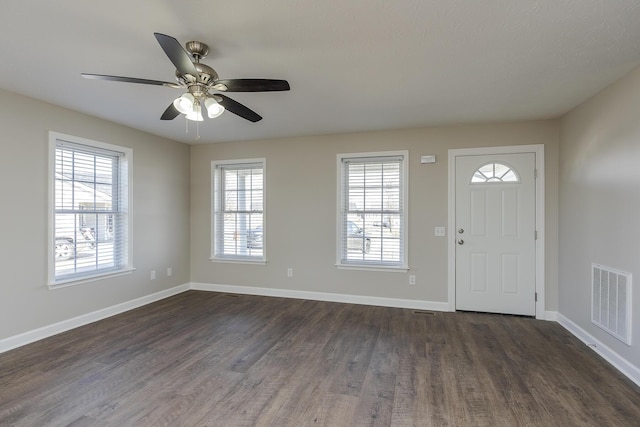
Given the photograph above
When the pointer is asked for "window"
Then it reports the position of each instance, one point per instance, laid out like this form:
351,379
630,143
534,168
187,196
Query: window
495,172
238,210
372,217
89,209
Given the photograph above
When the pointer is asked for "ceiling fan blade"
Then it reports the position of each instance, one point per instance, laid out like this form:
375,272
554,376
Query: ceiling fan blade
238,109
253,85
170,113
130,80
176,53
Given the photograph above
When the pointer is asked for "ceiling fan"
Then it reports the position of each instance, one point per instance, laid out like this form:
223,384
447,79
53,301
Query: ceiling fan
199,80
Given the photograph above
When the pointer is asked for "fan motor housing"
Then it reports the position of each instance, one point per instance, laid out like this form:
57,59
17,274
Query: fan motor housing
208,75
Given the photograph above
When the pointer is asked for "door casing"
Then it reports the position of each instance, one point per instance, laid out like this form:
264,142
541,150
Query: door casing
538,149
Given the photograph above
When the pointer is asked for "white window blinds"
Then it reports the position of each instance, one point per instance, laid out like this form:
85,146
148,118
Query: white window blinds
90,211
238,222
372,211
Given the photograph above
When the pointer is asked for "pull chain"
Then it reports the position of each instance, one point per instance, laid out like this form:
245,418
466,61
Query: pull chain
186,128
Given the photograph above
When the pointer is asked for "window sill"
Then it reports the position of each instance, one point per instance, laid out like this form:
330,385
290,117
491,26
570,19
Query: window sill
89,278
389,269
239,261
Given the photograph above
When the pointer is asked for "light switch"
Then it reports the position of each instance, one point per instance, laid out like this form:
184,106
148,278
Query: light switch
439,231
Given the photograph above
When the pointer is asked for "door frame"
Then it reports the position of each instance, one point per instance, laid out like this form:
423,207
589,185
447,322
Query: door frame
538,149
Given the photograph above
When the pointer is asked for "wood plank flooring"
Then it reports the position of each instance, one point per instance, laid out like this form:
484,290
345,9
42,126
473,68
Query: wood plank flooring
208,359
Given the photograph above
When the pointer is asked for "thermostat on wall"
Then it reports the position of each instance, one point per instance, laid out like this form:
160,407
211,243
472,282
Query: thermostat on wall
427,159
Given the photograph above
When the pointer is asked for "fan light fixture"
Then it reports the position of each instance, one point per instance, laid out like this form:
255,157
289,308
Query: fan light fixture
191,107
184,103
196,113
213,108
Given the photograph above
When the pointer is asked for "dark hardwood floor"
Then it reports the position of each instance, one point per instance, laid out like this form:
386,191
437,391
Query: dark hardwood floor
207,359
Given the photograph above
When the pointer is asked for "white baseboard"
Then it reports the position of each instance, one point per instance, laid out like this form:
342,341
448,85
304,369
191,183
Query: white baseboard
25,338
621,364
324,296
551,316
28,337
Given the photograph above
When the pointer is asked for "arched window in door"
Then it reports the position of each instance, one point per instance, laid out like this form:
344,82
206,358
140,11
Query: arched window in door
495,173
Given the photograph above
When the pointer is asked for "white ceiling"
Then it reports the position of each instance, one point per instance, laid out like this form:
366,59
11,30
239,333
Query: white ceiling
353,65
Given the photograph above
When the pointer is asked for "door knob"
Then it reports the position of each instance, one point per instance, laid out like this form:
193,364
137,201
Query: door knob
460,230
461,242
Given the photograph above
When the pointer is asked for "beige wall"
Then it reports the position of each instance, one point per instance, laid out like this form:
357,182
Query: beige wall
600,202
171,187
301,209
160,215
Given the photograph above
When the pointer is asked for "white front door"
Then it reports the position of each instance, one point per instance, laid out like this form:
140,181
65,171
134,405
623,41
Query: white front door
495,233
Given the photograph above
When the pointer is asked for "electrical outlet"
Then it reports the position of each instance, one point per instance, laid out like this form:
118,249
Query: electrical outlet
153,275
412,279
439,231
169,272
289,272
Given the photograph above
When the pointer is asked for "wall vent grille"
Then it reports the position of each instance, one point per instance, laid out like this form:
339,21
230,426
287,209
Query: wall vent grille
611,301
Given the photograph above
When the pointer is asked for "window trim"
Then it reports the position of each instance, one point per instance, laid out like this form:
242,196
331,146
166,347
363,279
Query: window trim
403,267
215,193
126,163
